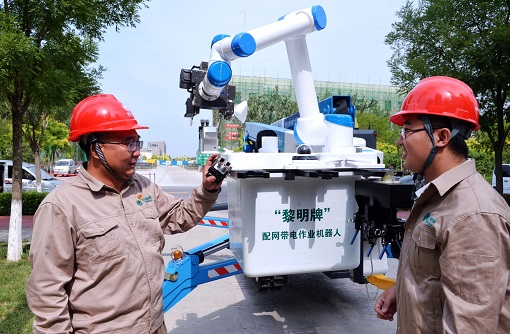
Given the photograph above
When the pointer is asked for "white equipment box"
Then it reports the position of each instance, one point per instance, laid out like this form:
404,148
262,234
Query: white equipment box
281,227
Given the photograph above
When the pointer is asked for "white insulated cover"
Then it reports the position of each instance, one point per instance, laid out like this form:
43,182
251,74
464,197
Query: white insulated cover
282,227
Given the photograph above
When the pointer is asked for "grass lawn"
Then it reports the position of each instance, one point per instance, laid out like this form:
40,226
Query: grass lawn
15,316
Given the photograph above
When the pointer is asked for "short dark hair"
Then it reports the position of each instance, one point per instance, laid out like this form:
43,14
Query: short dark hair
86,142
458,143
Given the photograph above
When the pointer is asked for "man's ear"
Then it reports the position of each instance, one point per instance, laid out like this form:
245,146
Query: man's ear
92,146
443,136
93,153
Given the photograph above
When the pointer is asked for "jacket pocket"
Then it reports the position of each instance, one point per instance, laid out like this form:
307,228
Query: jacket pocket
103,240
477,278
424,256
152,226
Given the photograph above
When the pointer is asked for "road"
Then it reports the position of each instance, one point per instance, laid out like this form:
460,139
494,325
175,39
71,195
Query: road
308,303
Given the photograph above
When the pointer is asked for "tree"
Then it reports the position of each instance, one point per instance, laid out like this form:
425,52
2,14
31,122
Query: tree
464,39
5,139
378,121
6,150
268,108
55,144
365,105
46,48
34,130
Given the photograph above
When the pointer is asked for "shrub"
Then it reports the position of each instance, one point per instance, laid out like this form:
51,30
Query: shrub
31,201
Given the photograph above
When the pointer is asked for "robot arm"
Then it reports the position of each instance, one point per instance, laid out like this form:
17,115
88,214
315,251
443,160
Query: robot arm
224,48
209,88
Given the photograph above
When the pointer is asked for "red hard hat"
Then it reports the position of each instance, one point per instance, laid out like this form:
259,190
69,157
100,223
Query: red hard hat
101,113
442,96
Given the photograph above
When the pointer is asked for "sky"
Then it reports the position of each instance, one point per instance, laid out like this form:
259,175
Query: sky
143,64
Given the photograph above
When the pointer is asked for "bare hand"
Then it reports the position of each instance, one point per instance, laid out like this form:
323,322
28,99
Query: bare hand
386,305
209,182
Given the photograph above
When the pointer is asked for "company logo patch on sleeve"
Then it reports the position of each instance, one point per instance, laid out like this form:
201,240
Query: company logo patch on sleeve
428,219
140,199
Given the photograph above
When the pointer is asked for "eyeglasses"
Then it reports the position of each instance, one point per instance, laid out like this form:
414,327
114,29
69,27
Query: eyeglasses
404,132
132,146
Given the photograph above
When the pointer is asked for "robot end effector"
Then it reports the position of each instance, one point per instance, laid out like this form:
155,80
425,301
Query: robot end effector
191,80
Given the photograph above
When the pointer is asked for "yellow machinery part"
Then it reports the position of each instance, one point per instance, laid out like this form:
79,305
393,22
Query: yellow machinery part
381,281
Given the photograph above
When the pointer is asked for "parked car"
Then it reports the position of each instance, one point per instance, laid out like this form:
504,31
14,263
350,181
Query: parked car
48,182
64,167
506,179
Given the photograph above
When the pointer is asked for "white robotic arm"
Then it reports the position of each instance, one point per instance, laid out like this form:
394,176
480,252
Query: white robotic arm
292,28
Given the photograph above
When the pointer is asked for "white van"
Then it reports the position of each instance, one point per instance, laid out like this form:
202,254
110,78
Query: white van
48,182
64,167
506,179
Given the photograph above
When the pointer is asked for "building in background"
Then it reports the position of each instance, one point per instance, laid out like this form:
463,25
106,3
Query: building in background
156,148
387,97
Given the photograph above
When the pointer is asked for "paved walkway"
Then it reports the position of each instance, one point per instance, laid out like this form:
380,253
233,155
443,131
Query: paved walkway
26,224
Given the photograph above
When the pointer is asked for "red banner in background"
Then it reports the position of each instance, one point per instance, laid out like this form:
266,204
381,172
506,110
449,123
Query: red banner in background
232,125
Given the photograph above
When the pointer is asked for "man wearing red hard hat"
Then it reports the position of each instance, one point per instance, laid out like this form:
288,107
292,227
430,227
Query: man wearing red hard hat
97,240
454,267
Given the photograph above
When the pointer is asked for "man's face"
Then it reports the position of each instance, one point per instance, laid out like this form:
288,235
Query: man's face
416,145
116,151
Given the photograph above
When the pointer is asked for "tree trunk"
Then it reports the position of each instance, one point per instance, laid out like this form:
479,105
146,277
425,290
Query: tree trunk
499,142
37,158
14,248
498,170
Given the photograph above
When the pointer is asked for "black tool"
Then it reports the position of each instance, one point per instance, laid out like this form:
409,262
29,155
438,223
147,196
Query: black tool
219,169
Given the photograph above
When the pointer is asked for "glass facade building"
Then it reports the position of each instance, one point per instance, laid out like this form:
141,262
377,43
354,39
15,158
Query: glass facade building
387,97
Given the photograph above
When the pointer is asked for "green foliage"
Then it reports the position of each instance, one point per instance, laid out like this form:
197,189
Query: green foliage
30,202
15,315
387,132
392,154
6,148
55,144
480,141
364,105
18,54
270,107
5,139
161,157
484,158
48,53
484,163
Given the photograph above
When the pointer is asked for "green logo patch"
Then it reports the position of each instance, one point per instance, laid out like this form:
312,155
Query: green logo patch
140,199
428,219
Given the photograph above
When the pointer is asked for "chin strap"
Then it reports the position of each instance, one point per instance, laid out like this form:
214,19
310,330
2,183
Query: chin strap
100,154
430,158
459,128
